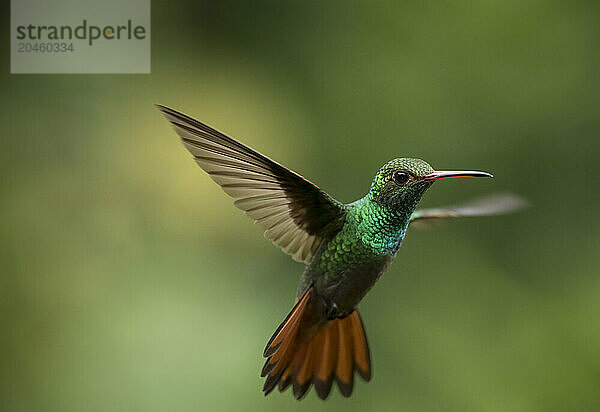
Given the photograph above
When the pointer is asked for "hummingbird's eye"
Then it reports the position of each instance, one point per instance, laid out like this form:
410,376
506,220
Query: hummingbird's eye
400,177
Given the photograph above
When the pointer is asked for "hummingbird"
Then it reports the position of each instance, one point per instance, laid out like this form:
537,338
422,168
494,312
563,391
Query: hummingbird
345,247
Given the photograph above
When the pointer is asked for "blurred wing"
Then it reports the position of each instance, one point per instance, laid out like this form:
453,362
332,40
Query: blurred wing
489,205
296,215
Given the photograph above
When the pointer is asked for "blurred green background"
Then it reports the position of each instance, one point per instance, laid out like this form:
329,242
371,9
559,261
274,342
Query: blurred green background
129,281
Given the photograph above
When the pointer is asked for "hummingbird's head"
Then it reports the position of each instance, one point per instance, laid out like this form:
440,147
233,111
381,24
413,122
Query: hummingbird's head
401,183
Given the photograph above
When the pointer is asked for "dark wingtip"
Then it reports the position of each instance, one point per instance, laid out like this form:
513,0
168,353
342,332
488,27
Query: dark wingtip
166,111
162,107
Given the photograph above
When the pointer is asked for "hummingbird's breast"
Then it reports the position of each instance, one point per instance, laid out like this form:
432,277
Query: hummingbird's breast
348,265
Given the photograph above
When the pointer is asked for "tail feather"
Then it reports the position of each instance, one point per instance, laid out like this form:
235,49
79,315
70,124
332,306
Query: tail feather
286,379
301,370
362,357
289,325
325,363
307,349
344,368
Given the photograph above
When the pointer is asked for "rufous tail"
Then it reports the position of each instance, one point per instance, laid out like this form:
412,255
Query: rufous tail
308,349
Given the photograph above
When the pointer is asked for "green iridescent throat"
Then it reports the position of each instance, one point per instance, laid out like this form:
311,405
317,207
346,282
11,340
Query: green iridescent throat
381,227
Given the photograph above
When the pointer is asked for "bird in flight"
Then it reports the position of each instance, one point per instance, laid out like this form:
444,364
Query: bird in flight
345,247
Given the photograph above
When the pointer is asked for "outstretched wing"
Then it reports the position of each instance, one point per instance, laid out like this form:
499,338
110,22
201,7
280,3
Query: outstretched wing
489,205
297,216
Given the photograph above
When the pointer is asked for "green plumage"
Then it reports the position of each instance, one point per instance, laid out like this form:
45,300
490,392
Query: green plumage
349,264
346,247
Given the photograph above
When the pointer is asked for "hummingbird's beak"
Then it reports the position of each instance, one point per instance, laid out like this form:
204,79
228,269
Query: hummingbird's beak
443,174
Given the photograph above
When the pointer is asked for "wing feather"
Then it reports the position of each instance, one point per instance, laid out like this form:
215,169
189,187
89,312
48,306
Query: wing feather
296,215
489,205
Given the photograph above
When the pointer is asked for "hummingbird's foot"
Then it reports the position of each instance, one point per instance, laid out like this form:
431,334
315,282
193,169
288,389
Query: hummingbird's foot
332,312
